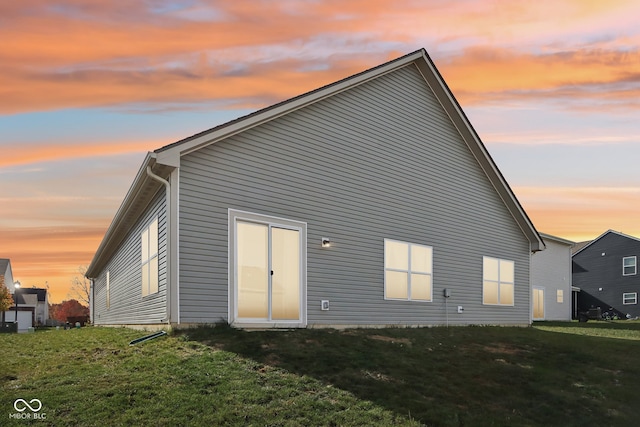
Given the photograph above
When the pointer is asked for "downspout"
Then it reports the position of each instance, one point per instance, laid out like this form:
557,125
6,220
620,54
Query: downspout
168,234
92,302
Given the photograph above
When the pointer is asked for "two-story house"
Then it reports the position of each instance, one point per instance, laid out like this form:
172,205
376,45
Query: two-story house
606,271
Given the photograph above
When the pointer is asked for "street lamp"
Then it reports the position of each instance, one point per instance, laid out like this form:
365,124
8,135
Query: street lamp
16,286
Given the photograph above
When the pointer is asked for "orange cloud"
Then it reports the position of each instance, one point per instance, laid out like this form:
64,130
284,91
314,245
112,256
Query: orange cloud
582,213
77,53
47,255
41,152
263,83
496,74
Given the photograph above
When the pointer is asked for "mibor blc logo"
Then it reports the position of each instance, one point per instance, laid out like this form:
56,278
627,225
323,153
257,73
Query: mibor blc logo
28,410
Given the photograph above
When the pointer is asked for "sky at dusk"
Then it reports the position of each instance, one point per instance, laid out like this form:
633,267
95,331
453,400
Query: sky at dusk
87,87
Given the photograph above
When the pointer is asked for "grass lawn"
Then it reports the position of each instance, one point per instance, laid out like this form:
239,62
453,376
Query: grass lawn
553,374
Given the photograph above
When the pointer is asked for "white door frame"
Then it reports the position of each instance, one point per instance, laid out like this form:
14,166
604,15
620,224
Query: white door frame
301,227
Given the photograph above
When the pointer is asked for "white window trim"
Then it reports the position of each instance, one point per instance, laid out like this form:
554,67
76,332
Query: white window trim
635,265
152,255
635,298
408,271
233,217
499,282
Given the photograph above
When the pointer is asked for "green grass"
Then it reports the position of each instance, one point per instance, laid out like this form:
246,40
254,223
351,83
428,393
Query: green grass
553,374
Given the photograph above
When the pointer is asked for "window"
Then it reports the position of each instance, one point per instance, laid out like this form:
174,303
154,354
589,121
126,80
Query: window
407,271
149,259
560,296
108,291
498,281
629,266
630,298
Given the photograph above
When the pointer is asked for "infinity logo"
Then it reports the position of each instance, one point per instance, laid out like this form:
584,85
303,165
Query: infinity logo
26,405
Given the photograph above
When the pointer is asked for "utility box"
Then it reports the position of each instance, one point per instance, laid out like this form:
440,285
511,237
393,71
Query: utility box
8,327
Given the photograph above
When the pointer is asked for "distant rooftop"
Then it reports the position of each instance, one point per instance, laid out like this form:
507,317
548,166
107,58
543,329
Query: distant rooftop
23,293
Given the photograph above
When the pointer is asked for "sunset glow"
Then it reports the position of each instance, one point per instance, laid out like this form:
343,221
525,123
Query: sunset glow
88,87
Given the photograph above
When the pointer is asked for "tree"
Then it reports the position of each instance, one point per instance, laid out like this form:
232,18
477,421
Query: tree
6,300
69,308
81,287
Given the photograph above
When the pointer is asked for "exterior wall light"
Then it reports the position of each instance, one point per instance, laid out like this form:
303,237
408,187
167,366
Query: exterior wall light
326,243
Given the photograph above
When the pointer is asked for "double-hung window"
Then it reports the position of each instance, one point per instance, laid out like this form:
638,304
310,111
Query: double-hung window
149,259
498,281
629,298
407,271
629,266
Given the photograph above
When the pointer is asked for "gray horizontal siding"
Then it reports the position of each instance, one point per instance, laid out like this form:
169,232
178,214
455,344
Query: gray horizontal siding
551,270
381,160
127,304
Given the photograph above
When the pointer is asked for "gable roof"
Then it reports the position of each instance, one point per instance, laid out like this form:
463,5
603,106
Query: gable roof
163,160
25,294
589,243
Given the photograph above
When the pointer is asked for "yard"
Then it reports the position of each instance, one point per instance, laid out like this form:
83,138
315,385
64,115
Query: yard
553,374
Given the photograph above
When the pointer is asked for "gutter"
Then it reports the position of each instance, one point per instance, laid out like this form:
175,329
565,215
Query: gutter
168,234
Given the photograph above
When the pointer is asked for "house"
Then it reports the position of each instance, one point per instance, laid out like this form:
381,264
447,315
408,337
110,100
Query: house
6,273
367,202
37,298
23,314
32,306
552,297
606,271
25,309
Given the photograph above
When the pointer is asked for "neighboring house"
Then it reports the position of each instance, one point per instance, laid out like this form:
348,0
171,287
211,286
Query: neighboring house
606,271
25,308
6,273
362,203
37,298
552,297
32,305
